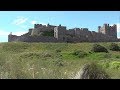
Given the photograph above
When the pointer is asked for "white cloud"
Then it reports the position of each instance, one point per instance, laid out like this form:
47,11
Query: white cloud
19,20
43,23
33,22
118,37
19,33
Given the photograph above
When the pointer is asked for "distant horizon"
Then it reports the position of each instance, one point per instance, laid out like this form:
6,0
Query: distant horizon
19,22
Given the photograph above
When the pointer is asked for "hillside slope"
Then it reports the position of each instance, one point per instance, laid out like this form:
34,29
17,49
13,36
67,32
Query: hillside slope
19,60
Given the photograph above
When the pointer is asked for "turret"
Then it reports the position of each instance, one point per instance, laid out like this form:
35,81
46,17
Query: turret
113,31
99,27
10,37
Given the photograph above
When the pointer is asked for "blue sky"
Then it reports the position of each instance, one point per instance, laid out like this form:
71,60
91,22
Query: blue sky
18,22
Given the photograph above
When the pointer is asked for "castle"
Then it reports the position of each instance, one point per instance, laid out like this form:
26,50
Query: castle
51,33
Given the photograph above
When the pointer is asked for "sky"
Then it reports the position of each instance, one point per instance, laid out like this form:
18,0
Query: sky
19,22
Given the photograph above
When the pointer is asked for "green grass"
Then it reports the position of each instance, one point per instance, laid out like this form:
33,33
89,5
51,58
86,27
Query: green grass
20,60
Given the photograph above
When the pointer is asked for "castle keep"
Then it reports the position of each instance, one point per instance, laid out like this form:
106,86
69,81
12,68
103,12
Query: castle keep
51,33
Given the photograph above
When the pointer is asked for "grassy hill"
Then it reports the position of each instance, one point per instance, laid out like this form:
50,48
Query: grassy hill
19,60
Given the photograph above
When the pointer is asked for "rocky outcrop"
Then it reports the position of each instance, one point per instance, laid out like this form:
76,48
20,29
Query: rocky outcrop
91,71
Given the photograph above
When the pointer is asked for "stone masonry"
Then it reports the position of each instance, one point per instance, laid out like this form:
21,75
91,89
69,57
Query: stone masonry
51,33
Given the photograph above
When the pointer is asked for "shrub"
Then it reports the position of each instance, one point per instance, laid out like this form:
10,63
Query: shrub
114,47
99,48
117,56
107,55
58,50
105,65
48,33
79,53
115,64
112,65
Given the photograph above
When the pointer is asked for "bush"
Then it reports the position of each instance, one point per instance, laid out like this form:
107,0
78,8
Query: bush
115,64
117,56
79,53
107,55
57,51
112,65
114,47
99,48
48,33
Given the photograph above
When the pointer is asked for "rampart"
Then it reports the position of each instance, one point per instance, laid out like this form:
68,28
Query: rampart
51,33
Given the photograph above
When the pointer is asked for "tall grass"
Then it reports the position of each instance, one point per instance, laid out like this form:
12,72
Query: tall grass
20,60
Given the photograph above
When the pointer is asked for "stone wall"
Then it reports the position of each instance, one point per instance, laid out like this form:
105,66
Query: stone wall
61,34
32,39
13,38
39,28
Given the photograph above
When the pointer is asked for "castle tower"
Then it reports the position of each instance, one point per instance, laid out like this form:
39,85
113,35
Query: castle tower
108,30
9,37
113,31
59,32
99,29
103,29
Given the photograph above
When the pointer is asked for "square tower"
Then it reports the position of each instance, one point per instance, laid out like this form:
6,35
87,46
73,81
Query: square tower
108,30
59,32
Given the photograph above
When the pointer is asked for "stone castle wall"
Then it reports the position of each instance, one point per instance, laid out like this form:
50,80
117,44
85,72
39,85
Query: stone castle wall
61,34
32,39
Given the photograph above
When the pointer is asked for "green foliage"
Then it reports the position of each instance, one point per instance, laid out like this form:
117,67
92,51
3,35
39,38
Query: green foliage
48,33
99,48
58,50
52,60
59,59
114,47
79,53
16,47
115,64
30,55
111,64
99,56
117,56
106,65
